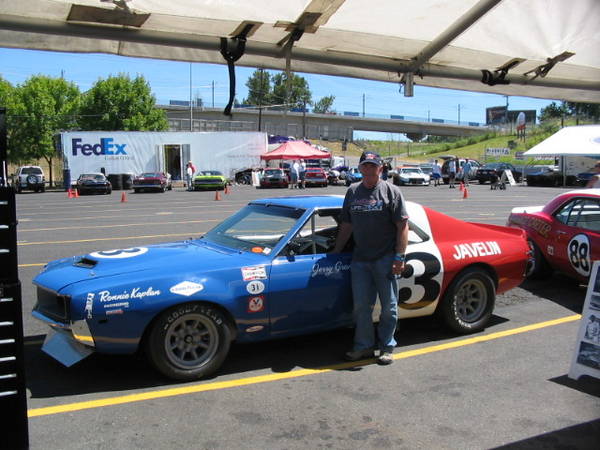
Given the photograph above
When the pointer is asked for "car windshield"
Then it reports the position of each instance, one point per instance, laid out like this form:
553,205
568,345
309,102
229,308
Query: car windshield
256,228
273,172
417,171
92,176
210,172
31,171
492,166
150,175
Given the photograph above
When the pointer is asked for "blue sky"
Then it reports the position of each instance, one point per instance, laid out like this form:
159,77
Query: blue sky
171,80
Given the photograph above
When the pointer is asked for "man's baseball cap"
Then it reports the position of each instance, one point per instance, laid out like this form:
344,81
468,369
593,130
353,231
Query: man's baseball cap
370,157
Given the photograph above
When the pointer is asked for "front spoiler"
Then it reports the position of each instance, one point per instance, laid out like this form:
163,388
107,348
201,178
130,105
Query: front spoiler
65,349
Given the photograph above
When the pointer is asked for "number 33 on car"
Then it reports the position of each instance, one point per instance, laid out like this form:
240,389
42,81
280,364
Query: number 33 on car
263,273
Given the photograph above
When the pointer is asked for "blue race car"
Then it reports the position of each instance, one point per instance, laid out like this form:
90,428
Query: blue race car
263,273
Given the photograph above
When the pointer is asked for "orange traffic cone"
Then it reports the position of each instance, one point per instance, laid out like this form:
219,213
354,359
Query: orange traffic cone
76,193
123,197
462,186
69,193
465,193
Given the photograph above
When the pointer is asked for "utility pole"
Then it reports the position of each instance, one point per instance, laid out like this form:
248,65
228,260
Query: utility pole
213,93
363,105
304,119
506,112
260,98
459,113
191,110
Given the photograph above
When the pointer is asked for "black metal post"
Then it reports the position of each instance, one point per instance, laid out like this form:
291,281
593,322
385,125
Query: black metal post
13,399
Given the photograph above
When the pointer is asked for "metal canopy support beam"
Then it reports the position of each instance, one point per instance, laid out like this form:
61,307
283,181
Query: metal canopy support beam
452,32
212,43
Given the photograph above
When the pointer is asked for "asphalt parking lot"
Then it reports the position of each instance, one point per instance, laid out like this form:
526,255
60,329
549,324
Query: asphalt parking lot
506,386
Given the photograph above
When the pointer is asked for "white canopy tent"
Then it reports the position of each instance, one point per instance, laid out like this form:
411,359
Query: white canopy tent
582,140
536,48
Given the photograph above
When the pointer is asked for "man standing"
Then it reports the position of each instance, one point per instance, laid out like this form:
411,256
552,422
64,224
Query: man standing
189,175
466,171
451,172
436,172
374,213
294,174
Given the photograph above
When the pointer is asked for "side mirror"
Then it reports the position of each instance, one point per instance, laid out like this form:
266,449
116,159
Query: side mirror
292,248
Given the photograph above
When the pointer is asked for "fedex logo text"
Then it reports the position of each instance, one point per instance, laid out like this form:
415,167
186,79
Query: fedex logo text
105,147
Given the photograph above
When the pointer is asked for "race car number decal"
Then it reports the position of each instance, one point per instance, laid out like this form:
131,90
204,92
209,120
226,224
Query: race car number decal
418,286
578,252
255,287
120,253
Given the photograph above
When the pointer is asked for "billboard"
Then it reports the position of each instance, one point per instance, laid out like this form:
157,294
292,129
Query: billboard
497,115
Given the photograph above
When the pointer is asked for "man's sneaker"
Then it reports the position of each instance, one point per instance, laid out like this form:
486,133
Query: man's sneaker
357,355
385,358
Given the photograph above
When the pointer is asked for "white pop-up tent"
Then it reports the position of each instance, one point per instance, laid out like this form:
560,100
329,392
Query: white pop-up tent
534,48
581,140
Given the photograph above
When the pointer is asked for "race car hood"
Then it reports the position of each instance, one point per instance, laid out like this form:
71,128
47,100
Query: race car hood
176,256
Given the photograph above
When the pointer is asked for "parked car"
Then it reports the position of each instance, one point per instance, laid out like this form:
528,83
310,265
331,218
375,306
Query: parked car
266,272
152,181
548,176
93,183
475,165
426,168
411,176
489,171
29,178
209,179
315,176
274,178
352,175
564,234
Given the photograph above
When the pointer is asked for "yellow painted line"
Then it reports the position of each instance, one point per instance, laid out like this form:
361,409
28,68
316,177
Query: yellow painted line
106,239
206,387
32,265
97,218
120,225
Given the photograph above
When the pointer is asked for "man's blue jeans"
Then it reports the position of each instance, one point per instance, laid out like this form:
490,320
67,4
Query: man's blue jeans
370,278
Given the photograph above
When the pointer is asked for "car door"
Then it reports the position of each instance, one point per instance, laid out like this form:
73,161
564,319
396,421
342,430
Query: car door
575,236
309,289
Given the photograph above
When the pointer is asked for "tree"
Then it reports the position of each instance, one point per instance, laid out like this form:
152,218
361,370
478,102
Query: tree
119,103
259,88
42,107
591,110
323,106
299,94
553,111
6,93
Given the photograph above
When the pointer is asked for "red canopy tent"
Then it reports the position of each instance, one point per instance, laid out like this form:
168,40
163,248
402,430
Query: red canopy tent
295,150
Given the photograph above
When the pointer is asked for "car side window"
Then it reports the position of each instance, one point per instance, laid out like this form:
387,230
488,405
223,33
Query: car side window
582,213
317,235
586,214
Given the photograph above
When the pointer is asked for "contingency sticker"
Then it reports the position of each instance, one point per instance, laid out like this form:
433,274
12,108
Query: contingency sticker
256,304
255,287
120,253
254,273
186,288
578,252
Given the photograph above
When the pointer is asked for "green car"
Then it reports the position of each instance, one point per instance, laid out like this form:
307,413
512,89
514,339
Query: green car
209,179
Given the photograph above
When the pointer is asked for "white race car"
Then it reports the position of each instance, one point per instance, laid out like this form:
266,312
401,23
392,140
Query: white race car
411,176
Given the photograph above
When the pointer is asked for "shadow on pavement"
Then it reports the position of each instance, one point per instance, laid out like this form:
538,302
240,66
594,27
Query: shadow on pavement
586,384
582,437
559,289
47,378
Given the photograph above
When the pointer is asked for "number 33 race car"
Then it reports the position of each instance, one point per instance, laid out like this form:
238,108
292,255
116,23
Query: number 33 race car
564,234
263,273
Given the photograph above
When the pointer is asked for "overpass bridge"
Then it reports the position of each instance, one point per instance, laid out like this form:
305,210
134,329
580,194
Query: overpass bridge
309,125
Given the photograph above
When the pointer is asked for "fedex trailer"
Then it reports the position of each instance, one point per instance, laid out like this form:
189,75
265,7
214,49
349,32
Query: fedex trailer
134,152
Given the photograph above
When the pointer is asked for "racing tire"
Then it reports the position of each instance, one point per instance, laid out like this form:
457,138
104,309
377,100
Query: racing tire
170,188
540,269
188,341
108,191
468,302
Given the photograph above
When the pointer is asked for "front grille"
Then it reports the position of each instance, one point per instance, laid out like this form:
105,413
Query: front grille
208,181
52,305
417,180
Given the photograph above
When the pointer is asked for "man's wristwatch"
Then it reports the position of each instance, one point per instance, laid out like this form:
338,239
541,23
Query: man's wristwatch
400,257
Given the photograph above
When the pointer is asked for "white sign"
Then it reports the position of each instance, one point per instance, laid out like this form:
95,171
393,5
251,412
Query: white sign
586,357
508,176
497,151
